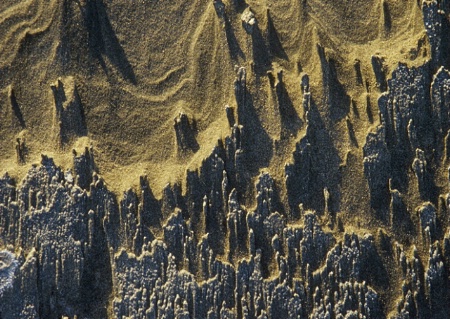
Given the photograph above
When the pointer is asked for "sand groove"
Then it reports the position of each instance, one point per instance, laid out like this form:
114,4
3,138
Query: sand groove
31,17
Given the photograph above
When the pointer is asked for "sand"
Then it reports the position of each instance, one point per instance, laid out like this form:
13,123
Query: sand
130,70
140,65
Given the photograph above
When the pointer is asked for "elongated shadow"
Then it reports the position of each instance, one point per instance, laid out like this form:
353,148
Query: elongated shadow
379,71
275,46
387,17
151,207
16,109
103,41
257,143
326,162
315,168
290,121
233,44
260,50
336,97
445,41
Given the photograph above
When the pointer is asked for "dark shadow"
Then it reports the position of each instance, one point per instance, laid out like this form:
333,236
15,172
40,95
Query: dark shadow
195,191
71,117
83,167
261,59
445,39
256,142
21,151
230,115
102,39
378,171
400,160
16,108
357,66
369,109
129,206
172,199
400,216
186,132
428,190
351,133
316,167
209,197
239,5
339,100
326,163
59,95
290,121
335,95
387,20
298,178
422,311
305,10
354,108
277,204
373,267
174,231
380,74
271,78
233,44
96,279
413,127
368,87
275,46
215,226
151,207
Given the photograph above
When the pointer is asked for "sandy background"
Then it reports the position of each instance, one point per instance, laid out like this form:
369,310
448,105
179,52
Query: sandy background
137,65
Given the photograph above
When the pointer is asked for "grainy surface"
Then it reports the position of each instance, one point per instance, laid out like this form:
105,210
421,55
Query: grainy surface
209,159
